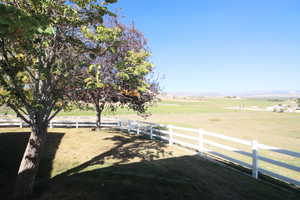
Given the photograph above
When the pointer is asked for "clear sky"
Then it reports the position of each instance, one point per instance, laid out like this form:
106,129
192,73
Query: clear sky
221,45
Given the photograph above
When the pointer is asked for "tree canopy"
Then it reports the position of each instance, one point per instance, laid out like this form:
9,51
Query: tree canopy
298,102
120,76
39,44
41,48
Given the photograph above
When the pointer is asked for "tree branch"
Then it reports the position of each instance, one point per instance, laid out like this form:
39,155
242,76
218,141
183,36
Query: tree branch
18,92
19,114
54,114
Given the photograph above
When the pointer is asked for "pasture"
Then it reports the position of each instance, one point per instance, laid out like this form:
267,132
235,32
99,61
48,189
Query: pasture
275,129
80,164
278,129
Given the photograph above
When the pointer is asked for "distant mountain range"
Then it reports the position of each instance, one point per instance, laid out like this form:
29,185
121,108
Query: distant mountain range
275,93
253,94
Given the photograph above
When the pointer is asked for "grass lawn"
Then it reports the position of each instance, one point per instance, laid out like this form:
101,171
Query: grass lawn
80,164
276,129
281,130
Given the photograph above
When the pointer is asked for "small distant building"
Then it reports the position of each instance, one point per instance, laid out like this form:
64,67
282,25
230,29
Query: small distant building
233,97
277,108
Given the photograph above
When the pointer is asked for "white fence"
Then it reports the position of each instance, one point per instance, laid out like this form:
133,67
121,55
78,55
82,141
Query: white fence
62,124
169,133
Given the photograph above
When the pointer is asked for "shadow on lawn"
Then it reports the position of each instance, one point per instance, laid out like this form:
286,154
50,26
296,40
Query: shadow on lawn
186,177
12,147
125,148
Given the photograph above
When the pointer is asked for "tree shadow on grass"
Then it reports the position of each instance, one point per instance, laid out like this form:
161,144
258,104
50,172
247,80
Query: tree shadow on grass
185,177
12,147
126,147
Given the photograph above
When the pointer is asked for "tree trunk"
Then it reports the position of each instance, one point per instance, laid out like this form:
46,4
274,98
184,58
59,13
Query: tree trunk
30,162
99,109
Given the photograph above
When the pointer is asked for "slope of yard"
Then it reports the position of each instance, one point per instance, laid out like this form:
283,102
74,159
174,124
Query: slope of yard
79,164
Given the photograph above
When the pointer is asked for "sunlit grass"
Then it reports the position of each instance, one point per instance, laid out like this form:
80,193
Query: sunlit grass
84,164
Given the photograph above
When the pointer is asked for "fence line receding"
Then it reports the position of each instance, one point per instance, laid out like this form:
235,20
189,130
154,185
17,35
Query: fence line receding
170,134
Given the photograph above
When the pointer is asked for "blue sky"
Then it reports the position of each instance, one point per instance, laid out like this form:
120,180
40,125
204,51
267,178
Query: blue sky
221,45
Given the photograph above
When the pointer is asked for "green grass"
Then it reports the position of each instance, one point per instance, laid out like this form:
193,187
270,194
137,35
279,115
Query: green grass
281,130
276,129
213,105
112,165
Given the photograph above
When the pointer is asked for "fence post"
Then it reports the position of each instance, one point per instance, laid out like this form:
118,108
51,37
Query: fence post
151,132
128,126
200,141
254,159
77,125
21,124
138,129
51,125
170,135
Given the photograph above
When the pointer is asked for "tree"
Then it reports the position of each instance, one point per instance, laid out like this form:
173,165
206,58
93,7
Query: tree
120,76
40,46
298,102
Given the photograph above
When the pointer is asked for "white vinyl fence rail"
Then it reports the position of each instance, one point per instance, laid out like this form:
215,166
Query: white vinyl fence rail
170,134
62,124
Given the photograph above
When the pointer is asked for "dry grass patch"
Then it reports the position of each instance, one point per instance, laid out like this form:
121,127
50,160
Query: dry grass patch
80,164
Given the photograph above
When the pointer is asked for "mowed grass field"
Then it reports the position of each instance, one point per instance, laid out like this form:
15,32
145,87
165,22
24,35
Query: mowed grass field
81,164
281,130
